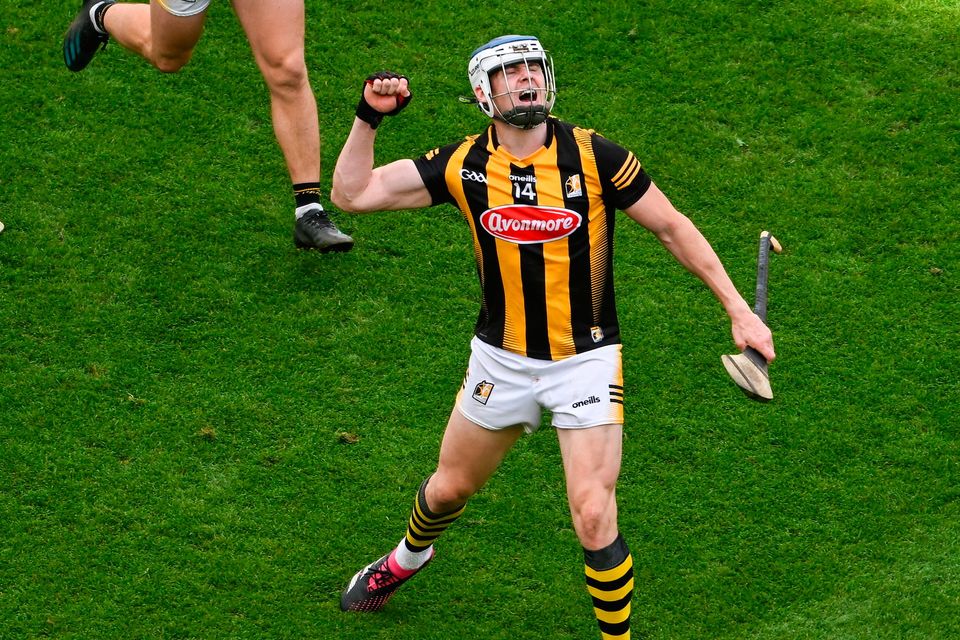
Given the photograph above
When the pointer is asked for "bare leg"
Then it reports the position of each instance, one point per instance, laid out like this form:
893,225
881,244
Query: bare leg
591,463
164,40
469,454
275,29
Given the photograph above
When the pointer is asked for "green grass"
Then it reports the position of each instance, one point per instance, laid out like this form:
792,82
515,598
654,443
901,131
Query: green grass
204,432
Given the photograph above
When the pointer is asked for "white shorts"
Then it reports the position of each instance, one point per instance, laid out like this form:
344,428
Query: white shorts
503,389
184,8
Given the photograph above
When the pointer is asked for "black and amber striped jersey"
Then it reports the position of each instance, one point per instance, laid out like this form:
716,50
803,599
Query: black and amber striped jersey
542,234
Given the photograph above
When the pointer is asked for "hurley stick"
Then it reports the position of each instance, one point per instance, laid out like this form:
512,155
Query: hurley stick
749,369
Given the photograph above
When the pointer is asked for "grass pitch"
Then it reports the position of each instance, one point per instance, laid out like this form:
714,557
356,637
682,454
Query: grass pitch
204,432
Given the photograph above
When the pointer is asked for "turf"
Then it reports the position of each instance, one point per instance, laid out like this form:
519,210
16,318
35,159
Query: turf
204,432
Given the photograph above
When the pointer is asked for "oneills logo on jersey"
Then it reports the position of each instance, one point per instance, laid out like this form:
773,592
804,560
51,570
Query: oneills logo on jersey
481,392
572,186
528,224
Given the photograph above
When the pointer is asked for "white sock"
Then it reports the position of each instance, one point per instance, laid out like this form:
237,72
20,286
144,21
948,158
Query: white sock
93,17
300,211
410,560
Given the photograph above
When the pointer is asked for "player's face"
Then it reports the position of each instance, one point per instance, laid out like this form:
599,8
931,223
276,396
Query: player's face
519,85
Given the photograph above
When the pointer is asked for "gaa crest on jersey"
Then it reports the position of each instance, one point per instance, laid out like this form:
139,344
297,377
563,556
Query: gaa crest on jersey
573,187
596,333
529,224
481,392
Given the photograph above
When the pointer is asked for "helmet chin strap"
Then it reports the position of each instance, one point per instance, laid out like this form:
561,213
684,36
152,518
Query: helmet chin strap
521,116
525,117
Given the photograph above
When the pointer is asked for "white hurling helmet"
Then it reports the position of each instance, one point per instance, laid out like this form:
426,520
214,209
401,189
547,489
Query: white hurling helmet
503,52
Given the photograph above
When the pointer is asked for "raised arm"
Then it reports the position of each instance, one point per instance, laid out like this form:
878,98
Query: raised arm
679,235
358,187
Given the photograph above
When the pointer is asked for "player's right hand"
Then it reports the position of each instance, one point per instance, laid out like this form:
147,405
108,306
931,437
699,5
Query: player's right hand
387,92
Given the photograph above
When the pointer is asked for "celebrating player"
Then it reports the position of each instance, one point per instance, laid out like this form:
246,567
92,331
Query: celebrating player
540,197
165,32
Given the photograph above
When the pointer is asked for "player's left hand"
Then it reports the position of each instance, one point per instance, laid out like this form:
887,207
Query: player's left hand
749,330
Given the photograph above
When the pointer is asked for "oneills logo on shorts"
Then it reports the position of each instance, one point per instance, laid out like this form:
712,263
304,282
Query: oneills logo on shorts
528,224
583,403
481,392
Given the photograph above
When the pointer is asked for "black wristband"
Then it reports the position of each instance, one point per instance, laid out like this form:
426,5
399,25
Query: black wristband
368,114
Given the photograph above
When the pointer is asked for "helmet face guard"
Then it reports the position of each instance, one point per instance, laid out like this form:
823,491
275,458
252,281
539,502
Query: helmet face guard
507,51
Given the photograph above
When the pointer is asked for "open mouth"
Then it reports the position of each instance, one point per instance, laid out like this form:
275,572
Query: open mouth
528,96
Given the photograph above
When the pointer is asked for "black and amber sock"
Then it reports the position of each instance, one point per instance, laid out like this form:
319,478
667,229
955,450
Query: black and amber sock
425,526
610,583
306,193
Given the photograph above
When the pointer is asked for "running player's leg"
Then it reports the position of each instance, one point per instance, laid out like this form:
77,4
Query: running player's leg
469,455
163,39
86,34
591,463
276,34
